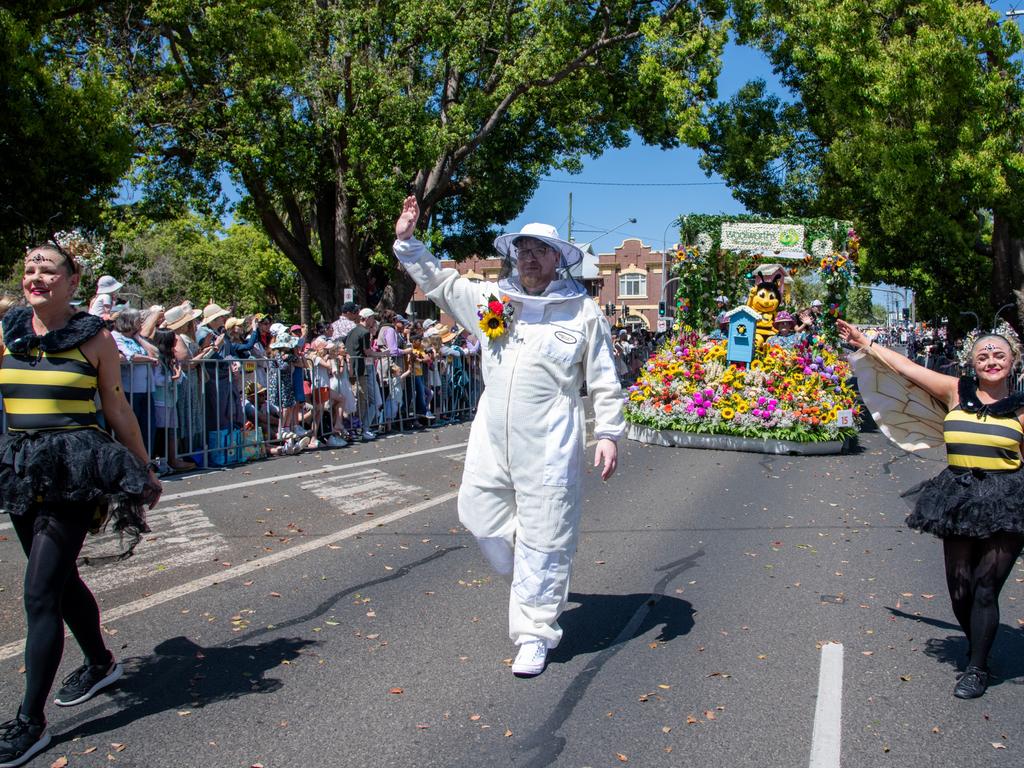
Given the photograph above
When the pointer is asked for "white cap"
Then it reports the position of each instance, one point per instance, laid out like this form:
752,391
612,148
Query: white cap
816,303
107,284
366,312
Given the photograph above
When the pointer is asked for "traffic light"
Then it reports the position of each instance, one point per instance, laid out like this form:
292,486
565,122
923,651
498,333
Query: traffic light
661,309
625,310
906,314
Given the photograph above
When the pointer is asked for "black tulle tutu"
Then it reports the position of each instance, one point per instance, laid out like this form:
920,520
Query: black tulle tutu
76,472
965,502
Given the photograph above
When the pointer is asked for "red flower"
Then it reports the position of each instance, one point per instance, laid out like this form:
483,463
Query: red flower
496,307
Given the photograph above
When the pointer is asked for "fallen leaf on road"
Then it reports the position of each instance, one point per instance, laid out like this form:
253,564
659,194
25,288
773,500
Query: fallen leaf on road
86,751
508,733
60,762
118,747
998,745
709,715
691,720
371,614
664,687
867,653
666,729
275,594
622,757
599,562
396,690
905,678
936,729
184,713
474,718
422,726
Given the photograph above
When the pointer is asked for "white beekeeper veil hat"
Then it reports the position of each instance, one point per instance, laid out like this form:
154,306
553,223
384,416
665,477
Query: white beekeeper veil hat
564,285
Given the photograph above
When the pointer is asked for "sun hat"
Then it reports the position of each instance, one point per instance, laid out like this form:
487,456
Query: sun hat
428,323
213,312
295,327
179,316
366,312
505,244
107,284
451,335
722,299
784,317
283,340
816,303
437,329
234,322
276,329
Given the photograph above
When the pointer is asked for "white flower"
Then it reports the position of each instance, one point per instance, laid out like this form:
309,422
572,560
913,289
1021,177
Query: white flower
704,243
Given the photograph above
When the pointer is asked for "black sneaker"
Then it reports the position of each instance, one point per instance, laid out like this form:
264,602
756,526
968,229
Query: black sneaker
21,739
85,682
972,683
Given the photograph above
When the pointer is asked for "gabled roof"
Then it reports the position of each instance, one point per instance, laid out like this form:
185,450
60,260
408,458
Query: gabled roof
750,312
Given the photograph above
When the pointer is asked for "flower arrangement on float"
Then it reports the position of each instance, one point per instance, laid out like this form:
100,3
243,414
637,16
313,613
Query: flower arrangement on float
784,394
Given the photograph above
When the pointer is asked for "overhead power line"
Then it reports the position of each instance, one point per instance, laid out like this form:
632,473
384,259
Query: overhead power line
636,183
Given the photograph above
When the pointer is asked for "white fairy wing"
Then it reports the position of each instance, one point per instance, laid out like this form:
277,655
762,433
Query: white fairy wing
905,413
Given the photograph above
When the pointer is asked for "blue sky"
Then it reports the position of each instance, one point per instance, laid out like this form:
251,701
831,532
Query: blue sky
648,171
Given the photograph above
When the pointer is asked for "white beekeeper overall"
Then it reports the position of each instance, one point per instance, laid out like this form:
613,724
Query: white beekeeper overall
521,487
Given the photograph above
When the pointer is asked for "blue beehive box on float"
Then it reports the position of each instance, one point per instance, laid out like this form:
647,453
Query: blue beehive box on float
742,336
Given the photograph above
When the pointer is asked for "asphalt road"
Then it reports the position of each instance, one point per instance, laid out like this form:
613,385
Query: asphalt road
328,609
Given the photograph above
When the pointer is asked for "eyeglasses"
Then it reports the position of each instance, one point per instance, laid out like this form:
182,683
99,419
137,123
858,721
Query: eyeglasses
533,253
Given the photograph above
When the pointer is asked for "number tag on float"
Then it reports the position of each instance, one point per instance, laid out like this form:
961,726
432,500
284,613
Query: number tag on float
844,418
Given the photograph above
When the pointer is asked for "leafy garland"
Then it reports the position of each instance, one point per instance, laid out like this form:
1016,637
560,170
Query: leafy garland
704,270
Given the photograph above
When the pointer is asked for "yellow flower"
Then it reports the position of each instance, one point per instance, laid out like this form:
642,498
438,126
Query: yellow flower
727,413
756,365
742,408
493,325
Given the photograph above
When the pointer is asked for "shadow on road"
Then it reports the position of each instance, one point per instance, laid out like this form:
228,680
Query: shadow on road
597,622
1006,660
181,675
603,625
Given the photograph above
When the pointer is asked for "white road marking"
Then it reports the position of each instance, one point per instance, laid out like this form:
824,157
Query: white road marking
183,536
360,491
826,741
137,606
5,526
307,473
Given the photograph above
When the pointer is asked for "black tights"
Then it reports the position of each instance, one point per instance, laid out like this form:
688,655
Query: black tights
976,570
54,594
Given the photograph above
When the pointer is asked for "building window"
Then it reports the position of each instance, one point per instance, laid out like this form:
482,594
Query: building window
633,285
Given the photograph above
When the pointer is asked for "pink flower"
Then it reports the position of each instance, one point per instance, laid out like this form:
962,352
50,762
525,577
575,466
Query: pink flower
701,411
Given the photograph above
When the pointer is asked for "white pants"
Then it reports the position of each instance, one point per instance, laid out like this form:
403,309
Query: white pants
526,529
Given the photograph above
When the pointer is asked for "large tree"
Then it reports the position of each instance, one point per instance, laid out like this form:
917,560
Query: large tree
326,113
64,142
905,117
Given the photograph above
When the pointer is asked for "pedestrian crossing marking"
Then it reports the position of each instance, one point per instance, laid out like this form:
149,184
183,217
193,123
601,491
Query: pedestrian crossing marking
361,491
181,535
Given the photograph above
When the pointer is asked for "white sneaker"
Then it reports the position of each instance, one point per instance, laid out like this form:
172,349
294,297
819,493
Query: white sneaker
530,660
336,442
368,435
303,444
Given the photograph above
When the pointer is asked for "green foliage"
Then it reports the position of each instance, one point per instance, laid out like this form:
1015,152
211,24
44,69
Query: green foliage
193,258
64,138
327,113
907,119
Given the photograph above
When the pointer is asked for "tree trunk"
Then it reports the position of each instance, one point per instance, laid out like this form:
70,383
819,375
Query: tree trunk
305,310
1007,271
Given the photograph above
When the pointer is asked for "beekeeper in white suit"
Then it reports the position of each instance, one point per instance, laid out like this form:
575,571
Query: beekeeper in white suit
521,487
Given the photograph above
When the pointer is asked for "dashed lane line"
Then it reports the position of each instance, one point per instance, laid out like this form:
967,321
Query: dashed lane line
826,741
159,598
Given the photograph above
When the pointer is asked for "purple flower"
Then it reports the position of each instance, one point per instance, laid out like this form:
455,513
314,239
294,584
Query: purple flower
701,411
762,400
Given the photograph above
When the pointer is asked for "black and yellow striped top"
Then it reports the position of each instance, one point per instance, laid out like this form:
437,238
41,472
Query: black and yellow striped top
48,390
982,442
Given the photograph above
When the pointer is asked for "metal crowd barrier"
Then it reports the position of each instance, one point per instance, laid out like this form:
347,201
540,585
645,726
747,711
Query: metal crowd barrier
223,412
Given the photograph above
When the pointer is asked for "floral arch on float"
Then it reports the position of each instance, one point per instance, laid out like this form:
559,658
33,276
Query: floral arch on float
734,376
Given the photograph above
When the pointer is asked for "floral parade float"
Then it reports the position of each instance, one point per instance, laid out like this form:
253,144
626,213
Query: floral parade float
745,386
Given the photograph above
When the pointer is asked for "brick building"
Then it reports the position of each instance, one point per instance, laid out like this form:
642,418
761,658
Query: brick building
628,279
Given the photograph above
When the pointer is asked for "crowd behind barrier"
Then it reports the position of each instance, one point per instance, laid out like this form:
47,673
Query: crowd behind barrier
223,412
207,394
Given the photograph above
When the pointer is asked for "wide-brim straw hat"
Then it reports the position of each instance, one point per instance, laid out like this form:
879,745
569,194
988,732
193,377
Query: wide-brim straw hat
213,312
505,244
180,315
451,335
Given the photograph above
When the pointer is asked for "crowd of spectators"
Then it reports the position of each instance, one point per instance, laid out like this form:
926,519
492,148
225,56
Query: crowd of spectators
208,387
